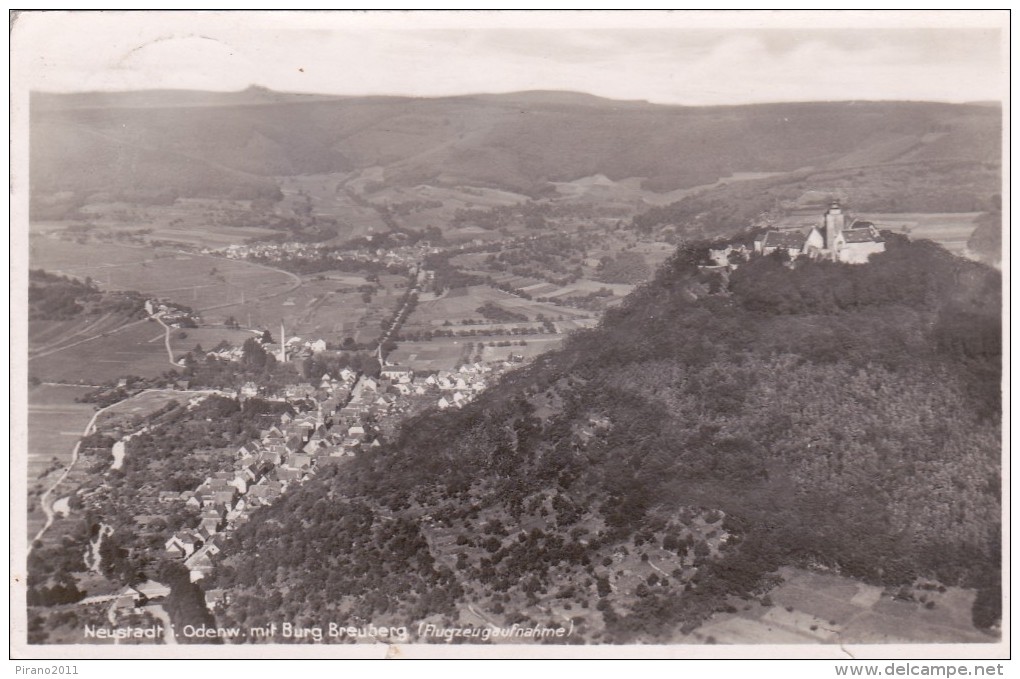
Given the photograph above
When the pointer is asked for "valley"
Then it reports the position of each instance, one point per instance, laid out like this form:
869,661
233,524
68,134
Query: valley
486,366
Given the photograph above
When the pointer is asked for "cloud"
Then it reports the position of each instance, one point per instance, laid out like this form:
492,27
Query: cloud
665,58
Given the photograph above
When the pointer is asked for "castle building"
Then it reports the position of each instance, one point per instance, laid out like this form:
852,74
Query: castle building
852,244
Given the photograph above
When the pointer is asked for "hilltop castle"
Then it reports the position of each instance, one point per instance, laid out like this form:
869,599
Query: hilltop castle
832,240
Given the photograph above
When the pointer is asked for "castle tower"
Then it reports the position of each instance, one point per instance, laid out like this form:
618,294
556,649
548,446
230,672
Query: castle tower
283,344
834,220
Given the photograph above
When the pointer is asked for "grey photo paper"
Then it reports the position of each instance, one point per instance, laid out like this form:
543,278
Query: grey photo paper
508,333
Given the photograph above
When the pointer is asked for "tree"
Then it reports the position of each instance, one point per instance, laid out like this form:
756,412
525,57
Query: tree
253,355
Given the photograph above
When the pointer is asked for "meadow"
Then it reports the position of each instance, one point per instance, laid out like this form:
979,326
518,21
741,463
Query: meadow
809,607
323,308
203,282
460,304
133,349
139,406
55,423
951,230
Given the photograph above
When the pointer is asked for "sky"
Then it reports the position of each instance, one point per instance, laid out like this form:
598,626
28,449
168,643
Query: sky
689,58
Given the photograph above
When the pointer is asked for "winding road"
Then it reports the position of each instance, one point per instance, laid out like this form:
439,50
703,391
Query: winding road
158,317
44,499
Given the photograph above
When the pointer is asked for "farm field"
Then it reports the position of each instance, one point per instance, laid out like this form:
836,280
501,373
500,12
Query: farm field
442,354
536,345
462,304
55,423
140,405
452,199
133,349
447,353
951,230
813,607
208,337
202,282
48,336
318,309
328,198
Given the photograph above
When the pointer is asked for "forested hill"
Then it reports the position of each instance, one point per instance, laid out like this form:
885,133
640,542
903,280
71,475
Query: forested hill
233,145
826,415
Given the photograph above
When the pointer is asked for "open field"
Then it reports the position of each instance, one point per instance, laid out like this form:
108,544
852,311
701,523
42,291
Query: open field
951,230
49,336
319,310
452,199
55,423
200,281
328,198
462,304
133,349
630,192
208,337
140,405
536,345
447,353
425,356
820,608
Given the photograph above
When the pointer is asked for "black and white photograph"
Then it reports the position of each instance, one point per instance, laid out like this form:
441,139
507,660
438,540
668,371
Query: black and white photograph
509,333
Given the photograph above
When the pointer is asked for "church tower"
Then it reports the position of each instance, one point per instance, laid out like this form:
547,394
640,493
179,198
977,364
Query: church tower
834,220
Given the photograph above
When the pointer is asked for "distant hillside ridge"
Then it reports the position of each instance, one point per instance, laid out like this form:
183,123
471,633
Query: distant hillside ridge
195,142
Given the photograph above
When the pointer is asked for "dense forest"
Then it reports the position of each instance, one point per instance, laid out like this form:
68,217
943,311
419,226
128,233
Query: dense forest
808,413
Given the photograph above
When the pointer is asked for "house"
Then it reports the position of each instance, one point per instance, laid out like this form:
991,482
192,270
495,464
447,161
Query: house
299,461
200,563
265,493
790,242
183,544
287,474
397,373
296,442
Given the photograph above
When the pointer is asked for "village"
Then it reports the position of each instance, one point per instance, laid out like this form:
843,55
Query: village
328,423
405,256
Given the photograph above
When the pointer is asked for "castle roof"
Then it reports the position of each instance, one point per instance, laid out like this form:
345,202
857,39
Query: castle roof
783,239
862,235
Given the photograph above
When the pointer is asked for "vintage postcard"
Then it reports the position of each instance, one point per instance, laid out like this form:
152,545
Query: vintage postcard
488,334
